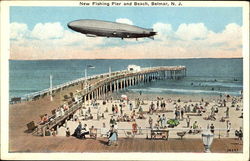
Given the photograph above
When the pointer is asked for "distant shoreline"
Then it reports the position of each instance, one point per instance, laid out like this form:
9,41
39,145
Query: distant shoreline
118,59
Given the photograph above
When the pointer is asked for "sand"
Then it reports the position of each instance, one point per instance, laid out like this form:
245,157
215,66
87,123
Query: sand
123,127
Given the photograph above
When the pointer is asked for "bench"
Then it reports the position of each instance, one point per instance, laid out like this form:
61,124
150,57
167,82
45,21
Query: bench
194,114
31,126
36,97
162,134
53,112
66,97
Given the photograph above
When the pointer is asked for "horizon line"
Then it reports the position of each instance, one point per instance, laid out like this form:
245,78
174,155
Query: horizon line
126,59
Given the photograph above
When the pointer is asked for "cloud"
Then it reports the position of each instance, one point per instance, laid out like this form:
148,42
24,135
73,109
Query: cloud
163,30
188,41
192,31
18,30
47,31
124,20
230,37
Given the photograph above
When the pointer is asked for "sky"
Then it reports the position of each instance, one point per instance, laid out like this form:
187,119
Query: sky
182,32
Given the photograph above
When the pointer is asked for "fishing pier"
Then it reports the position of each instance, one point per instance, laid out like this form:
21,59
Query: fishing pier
100,85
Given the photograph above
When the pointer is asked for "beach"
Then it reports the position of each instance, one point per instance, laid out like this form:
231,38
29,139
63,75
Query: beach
236,122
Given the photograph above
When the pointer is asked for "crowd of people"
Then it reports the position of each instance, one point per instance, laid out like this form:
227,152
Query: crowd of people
125,110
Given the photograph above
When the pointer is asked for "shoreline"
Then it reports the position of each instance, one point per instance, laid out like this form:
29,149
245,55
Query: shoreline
153,96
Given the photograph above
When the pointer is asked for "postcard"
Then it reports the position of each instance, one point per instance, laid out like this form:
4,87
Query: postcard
125,80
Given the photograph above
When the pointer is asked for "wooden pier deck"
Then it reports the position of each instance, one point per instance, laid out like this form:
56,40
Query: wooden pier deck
71,144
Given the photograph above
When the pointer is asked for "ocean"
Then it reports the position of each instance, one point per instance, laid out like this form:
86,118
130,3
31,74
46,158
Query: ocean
204,76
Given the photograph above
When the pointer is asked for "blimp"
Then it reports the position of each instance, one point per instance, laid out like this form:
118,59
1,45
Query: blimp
94,28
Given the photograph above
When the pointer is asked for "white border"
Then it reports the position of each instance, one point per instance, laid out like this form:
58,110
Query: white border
116,156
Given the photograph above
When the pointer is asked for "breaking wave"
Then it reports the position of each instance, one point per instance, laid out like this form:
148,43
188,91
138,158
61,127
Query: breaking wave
184,91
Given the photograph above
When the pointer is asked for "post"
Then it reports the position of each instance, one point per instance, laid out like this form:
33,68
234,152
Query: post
85,82
51,96
109,71
86,73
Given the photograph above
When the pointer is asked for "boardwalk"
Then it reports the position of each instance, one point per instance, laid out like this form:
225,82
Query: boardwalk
64,144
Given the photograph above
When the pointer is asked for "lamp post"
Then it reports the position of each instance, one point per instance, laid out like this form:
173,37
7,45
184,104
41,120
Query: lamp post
207,138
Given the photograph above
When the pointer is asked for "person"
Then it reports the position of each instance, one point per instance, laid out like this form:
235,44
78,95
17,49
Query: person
121,111
150,121
82,112
53,132
188,108
104,130
188,120
112,137
89,110
227,112
112,120
212,111
176,114
58,112
140,110
157,104
113,109
103,116
228,128
77,132
240,134
47,132
130,106
133,115
116,109
134,127
67,132
159,121
152,106
156,126
195,127
212,128
182,113
224,103
241,116
163,120
44,119
75,117
92,132
216,110
116,126
190,131
84,131
65,106
61,111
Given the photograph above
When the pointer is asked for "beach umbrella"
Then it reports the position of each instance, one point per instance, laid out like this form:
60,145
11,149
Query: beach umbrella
173,122
125,97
